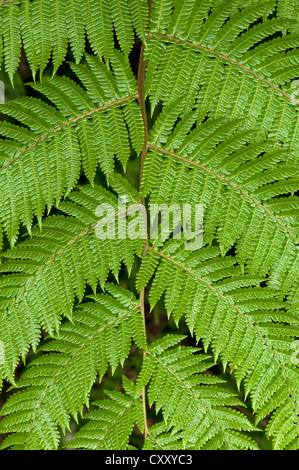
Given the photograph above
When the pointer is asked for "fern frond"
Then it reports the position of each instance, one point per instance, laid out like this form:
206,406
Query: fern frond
100,334
213,292
47,26
207,94
237,178
191,402
11,36
50,270
289,10
111,425
227,73
28,177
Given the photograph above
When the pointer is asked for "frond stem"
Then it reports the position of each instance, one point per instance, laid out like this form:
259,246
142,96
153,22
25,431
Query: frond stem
142,105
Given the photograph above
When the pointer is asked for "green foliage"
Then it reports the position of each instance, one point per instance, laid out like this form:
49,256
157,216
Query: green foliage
209,113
